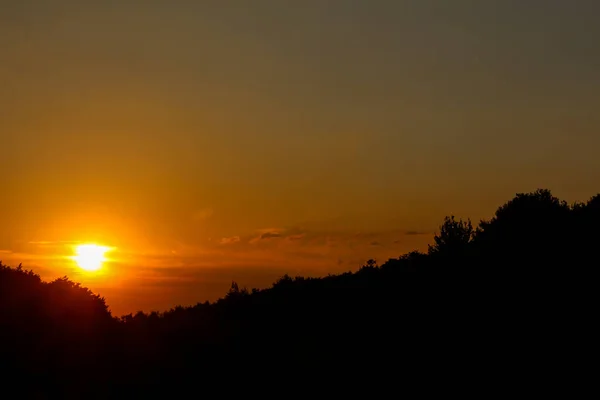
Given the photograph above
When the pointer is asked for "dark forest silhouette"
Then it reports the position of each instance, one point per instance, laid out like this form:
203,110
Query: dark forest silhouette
479,297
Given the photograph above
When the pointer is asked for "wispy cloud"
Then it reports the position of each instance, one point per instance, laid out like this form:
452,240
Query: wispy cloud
413,233
53,243
270,235
230,240
299,236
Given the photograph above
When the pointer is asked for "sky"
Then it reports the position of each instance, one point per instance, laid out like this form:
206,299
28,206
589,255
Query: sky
240,140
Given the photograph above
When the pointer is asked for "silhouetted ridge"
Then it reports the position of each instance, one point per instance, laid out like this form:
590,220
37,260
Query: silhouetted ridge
479,298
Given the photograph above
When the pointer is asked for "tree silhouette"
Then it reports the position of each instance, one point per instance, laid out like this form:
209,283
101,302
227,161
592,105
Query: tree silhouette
64,340
532,229
453,240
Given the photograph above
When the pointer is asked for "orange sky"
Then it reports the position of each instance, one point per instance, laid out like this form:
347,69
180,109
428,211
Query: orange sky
182,133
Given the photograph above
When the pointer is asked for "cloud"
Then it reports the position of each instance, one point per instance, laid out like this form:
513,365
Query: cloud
299,236
272,229
264,235
270,235
230,240
413,233
53,244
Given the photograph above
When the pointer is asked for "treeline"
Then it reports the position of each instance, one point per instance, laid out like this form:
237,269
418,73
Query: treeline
486,289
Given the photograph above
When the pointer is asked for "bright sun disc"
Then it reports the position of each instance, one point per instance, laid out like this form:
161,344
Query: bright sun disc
90,257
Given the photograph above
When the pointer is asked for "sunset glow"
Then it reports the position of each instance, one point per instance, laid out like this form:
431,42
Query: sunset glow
90,257
207,143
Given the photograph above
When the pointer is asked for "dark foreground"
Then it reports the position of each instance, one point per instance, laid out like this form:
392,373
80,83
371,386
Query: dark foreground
489,310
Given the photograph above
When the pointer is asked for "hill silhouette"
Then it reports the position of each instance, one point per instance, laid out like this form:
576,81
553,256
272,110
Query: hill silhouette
483,306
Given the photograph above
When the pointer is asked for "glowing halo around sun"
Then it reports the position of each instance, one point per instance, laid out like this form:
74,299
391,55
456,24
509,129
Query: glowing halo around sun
90,257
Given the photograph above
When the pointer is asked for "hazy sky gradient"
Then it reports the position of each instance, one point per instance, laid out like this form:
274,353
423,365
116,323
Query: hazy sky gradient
182,131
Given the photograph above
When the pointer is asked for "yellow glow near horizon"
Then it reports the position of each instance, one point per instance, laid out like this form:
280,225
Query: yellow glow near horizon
90,257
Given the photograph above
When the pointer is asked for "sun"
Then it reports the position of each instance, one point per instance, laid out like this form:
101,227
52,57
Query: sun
90,257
